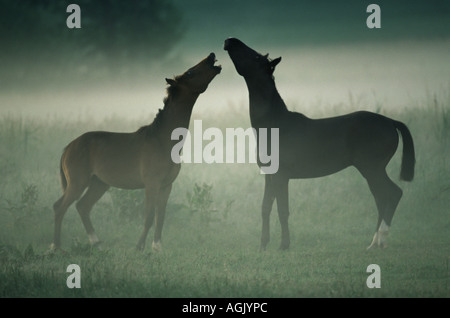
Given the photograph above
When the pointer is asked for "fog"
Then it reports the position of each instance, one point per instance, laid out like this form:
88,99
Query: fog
57,83
329,58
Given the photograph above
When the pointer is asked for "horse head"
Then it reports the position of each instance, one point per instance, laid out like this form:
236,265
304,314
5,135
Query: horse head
197,78
247,61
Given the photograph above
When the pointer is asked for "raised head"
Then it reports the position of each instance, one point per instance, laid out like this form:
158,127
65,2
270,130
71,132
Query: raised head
248,62
197,78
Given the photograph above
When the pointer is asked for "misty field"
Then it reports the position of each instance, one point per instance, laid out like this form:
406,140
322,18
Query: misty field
212,228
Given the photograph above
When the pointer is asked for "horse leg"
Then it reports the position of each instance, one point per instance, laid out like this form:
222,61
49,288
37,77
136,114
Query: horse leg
282,196
267,204
59,207
84,206
150,201
161,204
387,196
71,194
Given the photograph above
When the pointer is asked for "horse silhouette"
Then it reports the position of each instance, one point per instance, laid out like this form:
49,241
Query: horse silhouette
142,159
310,148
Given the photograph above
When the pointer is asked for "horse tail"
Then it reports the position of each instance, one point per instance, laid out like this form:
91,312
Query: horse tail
62,175
408,156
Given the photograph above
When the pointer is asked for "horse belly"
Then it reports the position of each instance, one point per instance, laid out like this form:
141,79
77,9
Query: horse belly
121,171
315,157
314,167
120,177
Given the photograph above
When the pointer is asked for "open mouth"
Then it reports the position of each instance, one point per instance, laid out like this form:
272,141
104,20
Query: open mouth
212,60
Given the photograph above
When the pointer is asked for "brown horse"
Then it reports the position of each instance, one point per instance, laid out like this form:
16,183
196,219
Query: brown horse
310,148
142,159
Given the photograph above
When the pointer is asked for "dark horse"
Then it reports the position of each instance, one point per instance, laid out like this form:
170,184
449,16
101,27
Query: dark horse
310,148
142,159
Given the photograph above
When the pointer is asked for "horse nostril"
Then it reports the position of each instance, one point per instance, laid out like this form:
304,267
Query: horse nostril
226,45
231,42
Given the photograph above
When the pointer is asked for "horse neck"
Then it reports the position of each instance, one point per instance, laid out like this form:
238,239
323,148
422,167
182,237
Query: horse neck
177,114
266,103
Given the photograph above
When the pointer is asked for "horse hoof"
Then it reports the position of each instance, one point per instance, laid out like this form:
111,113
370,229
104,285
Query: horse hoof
156,246
375,246
93,239
52,250
284,247
263,246
97,245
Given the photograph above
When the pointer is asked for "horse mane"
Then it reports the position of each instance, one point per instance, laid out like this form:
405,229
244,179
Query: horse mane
172,91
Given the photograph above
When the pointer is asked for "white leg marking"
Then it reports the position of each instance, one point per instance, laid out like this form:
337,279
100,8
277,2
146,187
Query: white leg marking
383,227
374,243
156,246
379,239
93,238
383,232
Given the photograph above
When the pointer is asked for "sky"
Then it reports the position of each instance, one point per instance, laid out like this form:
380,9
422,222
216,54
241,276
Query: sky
299,22
330,57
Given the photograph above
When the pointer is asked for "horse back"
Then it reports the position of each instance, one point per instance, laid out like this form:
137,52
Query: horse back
319,147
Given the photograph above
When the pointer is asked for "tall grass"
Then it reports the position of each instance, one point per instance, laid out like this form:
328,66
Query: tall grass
212,229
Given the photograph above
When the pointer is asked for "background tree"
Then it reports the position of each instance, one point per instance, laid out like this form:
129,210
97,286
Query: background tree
116,36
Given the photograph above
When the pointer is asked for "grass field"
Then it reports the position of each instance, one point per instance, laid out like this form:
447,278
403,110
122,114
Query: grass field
212,229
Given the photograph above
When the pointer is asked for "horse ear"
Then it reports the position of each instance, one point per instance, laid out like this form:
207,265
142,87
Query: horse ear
275,62
170,81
